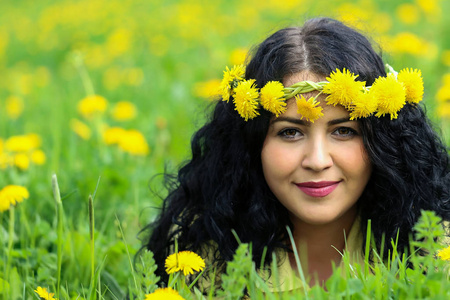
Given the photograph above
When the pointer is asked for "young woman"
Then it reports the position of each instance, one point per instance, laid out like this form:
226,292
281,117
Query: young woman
321,164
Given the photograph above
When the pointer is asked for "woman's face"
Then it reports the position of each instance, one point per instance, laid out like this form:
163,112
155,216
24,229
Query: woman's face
317,170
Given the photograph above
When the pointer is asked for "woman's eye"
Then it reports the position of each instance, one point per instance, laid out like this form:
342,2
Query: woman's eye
345,131
290,133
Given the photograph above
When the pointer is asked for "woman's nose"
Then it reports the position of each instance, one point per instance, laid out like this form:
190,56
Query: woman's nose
317,156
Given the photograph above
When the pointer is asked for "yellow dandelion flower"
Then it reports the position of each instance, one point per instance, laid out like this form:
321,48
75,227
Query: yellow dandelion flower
44,294
164,294
14,107
444,254
207,89
134,143
407,42
185,261
230,80
343,88
38,157
238,56
113,135
246,99
123,111
408,13
390,95
272,97
308,109
444,110
22,161
364,106
23,143
413,84
11,195
443,94
92,105
81,129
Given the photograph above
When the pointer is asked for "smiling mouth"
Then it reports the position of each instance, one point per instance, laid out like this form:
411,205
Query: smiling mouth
318,189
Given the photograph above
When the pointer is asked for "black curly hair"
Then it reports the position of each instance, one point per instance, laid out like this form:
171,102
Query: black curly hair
221,189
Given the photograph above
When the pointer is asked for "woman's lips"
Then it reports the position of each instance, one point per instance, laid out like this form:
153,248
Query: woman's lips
319,188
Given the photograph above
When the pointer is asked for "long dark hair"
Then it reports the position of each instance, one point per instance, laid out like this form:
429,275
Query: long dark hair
221,189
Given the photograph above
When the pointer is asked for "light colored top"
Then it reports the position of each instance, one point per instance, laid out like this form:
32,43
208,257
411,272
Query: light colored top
288,278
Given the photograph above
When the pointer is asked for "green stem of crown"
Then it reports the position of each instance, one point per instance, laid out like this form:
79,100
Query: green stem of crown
303,87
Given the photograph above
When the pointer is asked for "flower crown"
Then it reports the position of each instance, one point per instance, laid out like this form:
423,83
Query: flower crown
387,95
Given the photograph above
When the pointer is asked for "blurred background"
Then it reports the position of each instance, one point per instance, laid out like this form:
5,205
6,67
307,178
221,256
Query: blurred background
106,94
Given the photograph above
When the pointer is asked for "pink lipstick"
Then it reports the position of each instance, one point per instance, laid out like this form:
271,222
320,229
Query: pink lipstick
318,189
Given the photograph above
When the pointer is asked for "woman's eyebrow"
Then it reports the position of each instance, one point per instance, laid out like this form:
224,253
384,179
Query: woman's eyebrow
340,120
291,120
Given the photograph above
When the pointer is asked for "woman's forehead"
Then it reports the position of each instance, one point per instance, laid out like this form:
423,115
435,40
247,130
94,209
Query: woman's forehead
302,76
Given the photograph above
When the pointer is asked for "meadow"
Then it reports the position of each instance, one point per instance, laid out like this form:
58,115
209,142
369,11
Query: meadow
98,98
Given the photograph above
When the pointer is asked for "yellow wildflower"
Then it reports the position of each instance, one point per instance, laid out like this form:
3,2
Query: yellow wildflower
44,294
444,109
272,97
238,56
164,294
185,261
11,195
92,105
134,143
23,143
113,135
363,106
408,13
38,157
413,84
123,111
207,89
14,107
81,129
308,109
431,7
443,94
444,254
390,95
21,161
246,99
119,42
407,42
343,88
230,80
